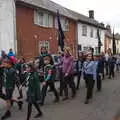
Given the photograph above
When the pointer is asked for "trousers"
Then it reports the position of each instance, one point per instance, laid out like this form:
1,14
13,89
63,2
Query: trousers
52,88
68,80
90,86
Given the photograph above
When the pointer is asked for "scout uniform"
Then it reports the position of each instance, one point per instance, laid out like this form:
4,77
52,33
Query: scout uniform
111,63
89,69
33,93
9,82
1,79
79,69
49,78
99,71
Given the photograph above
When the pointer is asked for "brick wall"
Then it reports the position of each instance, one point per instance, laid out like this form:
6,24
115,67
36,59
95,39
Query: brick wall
29,35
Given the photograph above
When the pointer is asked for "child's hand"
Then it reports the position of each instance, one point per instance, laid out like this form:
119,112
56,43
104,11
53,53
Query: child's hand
44,83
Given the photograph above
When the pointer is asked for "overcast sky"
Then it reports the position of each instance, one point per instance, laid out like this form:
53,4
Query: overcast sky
107,11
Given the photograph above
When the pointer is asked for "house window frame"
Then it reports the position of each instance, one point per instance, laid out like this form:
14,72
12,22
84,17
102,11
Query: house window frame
64,23
84,30
91,32
47,18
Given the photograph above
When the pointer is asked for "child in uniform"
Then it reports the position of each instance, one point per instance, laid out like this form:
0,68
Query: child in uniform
9,88
33,92
49,78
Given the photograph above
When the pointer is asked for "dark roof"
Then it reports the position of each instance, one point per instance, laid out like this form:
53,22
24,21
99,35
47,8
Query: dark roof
53,7
110,35
117,36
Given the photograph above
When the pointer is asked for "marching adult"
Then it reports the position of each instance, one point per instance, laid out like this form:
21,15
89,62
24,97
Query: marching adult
99,71
67,69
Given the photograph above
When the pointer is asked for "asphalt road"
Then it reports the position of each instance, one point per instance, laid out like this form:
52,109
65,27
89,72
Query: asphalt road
103,106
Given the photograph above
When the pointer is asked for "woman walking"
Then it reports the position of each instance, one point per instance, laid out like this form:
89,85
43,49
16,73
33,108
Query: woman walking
67,69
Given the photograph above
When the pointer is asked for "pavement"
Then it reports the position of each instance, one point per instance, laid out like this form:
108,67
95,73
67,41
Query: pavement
103,106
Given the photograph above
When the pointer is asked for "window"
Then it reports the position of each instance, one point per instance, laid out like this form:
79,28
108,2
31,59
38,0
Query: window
43,18
96,49
85,48
96,35
84,30
45,44
91,32
64,22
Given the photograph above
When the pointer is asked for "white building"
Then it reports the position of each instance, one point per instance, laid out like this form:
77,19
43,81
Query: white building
87,33
7,25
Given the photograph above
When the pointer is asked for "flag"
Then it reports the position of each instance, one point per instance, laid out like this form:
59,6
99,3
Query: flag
114,44
61,35
99,41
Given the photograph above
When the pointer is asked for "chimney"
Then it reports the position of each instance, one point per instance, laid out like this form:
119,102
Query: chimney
91,14
108,27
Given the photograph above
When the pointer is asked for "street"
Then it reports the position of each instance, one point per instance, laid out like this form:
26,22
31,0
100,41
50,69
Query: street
103,106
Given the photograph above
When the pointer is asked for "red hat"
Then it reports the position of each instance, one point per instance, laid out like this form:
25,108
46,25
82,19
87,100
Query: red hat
13,60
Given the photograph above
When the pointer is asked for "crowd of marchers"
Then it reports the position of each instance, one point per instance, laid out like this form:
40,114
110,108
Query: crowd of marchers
41,73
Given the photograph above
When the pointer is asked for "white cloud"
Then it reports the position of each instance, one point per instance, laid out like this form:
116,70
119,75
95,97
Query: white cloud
106,11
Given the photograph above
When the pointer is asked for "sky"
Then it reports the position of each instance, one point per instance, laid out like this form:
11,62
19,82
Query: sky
106,11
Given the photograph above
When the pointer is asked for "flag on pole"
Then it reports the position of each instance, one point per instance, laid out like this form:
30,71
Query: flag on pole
114,44
61,35
99,41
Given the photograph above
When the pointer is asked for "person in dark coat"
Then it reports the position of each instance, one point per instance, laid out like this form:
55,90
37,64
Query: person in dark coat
1,80
99,71
33,92
102,59
9,82
111,63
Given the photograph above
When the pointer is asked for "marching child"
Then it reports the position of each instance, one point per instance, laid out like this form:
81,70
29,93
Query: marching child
49,78
33,92
9,80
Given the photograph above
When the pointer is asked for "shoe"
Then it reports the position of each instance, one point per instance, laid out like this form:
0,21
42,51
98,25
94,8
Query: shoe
87,102
77,88
20,104
38,115
56,100
6,115
73,95
99,90
41,103
65,98
60,94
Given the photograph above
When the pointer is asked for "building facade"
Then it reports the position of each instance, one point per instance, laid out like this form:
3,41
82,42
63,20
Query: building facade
7,25
87,34
32,24
109,40
87,37
37,27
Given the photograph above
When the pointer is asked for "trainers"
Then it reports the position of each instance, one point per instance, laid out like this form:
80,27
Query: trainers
87,102
20,104
65,98
38,115
6,115
56,100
